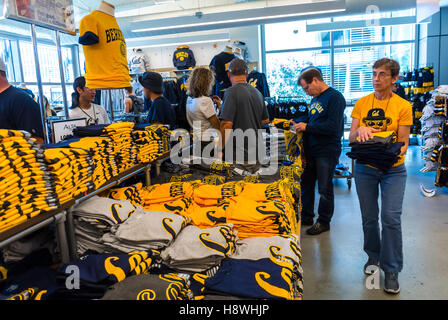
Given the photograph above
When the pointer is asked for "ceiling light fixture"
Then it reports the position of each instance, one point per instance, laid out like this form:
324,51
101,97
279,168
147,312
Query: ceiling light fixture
130,46
235,20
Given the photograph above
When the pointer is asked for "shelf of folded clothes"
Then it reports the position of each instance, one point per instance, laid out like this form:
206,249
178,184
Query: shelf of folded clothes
26,186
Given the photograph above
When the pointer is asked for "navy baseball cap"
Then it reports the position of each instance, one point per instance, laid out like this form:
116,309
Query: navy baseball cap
152,81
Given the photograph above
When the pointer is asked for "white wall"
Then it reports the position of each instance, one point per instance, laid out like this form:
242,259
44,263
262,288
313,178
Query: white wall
162,57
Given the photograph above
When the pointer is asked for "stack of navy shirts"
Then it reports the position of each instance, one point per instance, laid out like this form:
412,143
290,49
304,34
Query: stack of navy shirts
98,272
381,152
261,268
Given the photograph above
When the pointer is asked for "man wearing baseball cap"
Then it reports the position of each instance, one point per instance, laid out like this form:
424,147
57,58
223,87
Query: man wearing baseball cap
161,110
18,111
243,112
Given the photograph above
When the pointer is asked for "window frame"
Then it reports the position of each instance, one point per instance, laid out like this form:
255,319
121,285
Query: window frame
333,47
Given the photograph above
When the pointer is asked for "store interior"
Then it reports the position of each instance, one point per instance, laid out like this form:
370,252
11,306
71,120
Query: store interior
123,167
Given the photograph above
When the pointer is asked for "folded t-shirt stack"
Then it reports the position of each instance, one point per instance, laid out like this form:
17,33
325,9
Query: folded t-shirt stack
381,152
198,250
169,286
252,218
26,187
101,148
211,195
160,133
131,193
98,272
155,196
144,230
72,171
124,147
261,268
149,144
95,217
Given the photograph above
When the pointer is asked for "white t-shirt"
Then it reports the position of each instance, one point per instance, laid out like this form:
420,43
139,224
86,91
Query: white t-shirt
200,110
95,112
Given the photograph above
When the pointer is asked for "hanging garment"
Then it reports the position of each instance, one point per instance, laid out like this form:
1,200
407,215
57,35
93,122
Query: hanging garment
138,62
183,58
220,65
258,80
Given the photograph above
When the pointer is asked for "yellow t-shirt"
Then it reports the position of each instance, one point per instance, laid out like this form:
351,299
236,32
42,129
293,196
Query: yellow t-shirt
385,115
106,61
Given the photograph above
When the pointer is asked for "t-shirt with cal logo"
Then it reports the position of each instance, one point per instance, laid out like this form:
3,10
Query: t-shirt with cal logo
384,115
106,61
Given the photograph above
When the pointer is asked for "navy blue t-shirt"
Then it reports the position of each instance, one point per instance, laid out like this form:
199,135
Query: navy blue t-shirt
18,111
162,112
325,124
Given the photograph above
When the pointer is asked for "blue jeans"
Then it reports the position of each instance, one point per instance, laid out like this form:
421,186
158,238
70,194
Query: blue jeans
387,249
320,169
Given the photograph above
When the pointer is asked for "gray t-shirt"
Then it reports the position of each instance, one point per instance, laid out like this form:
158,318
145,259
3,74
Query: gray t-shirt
244,106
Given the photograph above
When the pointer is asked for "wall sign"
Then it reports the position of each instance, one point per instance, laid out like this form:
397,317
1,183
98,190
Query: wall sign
53,14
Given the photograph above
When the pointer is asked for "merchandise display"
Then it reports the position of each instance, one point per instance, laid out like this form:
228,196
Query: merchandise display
105,51
220,65
27,186
434,130
183,58
138,62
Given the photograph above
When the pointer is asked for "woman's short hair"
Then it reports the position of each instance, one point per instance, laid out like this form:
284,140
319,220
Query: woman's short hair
200,82
392,65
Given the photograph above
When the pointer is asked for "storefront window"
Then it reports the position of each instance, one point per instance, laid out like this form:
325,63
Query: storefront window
283,70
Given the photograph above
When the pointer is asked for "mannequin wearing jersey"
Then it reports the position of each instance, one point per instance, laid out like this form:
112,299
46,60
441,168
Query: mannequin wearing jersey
104,48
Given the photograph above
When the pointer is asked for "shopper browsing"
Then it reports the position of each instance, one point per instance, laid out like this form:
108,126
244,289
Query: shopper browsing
201,113
244,109
380,111
18,111
160,110
322,131
83,106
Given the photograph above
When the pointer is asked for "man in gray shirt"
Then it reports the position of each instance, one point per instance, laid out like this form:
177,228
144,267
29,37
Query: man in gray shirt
243,113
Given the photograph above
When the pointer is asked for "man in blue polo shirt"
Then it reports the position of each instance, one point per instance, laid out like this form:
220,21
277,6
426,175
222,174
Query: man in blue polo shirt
18,111
322,131
160,110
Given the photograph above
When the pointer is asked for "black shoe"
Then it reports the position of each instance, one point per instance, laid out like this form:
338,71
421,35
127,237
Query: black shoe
318,228
391,284
371,262
306,221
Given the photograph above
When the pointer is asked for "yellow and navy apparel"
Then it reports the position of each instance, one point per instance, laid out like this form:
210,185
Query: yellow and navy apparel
325,124
384,115
168,286
183,58
105,51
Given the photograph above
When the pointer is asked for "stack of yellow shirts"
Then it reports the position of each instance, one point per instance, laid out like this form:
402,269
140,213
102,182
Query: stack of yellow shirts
149,145
206,216
130,193
124,148
72,170
104,165
172,193
277,195
26,187
212,195
162,134
252,218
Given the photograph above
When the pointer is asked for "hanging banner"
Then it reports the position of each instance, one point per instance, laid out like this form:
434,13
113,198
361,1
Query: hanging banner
53,14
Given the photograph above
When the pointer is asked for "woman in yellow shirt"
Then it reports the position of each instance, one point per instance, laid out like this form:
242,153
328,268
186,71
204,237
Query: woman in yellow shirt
380,111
